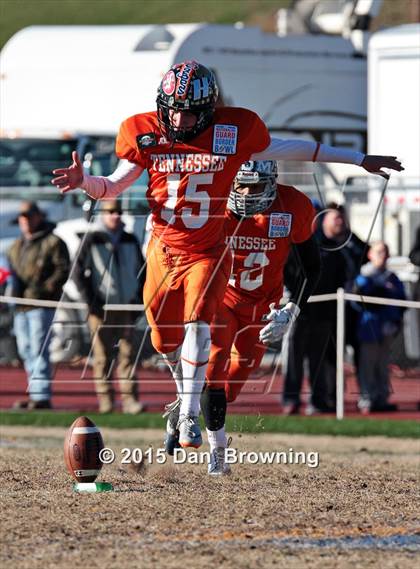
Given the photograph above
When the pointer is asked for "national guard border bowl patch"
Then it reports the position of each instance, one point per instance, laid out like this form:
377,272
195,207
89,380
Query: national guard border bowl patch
225,137
146,140
280,224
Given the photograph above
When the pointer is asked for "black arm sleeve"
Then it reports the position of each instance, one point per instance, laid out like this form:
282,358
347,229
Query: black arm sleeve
302,271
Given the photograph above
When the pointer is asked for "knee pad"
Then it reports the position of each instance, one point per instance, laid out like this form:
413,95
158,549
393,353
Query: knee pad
213,407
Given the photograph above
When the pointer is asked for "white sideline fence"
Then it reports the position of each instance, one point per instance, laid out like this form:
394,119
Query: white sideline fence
67,305
340,296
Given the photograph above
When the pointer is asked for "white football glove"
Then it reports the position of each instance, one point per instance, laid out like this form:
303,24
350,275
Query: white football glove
280,322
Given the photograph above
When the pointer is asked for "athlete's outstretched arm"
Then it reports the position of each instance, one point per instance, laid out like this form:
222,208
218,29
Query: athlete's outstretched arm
97,187
309,151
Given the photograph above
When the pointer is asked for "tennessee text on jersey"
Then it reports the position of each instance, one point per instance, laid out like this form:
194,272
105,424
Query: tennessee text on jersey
280,224
225,137
250,243
187,163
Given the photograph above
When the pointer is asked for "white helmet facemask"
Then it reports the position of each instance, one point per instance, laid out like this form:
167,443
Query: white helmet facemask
250,173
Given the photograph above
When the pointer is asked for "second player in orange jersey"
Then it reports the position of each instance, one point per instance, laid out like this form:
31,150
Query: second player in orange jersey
264,220
260,246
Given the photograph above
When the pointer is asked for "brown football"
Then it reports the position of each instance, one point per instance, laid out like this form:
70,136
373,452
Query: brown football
82,445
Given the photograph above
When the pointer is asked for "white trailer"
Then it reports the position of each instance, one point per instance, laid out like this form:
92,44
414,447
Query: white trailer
87,79
394,126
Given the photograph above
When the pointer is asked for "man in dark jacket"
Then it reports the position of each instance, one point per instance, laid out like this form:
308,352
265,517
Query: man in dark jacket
338,235
40,265
110,270
314,334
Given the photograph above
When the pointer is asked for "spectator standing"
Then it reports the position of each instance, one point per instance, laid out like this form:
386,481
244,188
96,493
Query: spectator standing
40,265
377,327
313,336
109,270
337,235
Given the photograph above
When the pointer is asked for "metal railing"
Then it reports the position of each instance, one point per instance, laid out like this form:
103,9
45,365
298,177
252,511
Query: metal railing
340,296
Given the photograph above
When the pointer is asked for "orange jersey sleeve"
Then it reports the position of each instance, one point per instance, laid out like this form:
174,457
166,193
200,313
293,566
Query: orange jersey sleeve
189,183
258,137
305,218
133,133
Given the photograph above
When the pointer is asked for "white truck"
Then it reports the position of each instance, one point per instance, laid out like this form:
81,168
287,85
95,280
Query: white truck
87,79
394,124
393,128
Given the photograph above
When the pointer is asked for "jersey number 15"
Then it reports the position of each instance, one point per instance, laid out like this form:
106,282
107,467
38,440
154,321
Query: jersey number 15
192,194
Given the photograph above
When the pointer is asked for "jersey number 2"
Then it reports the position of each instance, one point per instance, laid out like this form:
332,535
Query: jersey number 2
253,262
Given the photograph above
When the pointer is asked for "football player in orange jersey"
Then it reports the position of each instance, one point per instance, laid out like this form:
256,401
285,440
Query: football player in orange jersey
192,151
263,221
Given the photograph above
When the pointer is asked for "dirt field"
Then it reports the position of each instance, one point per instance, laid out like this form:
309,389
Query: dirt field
358,509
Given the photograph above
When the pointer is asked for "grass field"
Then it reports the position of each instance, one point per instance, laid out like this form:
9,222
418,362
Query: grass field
235,423
17,14
357,509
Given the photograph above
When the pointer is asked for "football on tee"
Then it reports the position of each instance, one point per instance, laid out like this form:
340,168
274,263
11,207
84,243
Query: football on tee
82,446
